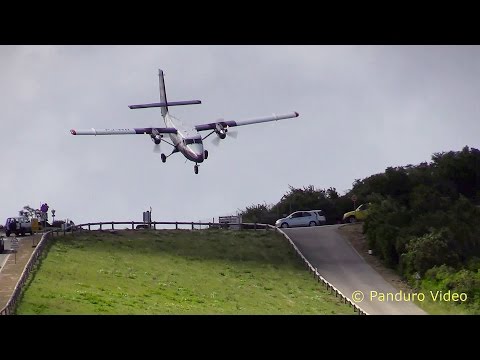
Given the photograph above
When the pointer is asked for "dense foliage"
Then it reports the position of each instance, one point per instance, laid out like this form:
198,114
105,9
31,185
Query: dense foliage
424,220
308,198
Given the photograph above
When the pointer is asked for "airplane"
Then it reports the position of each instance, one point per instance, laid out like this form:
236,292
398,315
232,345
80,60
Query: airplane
184,139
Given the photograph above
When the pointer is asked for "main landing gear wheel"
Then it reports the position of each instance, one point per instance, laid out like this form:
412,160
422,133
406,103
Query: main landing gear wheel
205,154
164,158
195,168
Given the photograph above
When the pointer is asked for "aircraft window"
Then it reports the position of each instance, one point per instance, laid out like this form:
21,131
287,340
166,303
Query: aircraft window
193,141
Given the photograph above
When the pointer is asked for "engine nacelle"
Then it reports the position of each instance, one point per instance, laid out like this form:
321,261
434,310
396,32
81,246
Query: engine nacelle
221,131
157,139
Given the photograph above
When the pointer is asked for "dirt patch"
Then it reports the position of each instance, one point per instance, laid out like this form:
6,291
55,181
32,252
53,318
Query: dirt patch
353,233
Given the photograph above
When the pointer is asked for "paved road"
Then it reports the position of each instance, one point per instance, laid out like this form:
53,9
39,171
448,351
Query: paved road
8,249
3,257
339,263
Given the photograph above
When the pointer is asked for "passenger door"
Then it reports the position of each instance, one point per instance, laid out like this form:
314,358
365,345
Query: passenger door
306,218
321,217
362,212
296,219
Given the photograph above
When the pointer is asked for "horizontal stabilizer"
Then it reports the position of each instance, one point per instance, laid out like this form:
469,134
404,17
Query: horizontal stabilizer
162,104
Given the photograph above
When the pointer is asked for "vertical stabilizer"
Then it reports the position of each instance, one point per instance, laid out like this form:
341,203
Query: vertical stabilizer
163,94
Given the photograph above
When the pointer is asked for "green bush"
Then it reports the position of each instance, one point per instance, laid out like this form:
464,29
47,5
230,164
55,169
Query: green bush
427,251
445,278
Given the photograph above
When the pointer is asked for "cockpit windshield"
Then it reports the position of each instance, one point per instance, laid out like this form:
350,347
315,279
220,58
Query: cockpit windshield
193,141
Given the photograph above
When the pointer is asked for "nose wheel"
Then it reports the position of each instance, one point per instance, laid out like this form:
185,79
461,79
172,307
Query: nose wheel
205,154
164,158
195,168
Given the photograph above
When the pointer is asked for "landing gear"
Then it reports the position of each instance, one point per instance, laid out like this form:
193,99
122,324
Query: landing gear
164,158
205,154
195,168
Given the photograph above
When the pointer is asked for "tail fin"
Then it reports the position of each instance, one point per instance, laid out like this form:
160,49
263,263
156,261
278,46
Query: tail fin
163,93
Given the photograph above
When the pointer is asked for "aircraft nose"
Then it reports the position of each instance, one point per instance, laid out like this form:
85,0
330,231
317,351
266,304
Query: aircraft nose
198,151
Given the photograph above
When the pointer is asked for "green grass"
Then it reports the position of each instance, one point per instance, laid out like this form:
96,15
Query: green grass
175,272
442,308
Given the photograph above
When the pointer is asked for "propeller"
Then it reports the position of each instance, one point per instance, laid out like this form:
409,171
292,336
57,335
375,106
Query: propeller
156,148
216,141
233,134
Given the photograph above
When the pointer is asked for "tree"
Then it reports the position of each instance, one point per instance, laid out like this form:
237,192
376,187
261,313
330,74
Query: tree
459,171
260,213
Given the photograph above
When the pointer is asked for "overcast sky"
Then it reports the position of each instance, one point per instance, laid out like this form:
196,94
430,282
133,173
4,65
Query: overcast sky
362,109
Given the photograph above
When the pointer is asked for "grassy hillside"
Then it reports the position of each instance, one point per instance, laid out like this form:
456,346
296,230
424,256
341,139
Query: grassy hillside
175,272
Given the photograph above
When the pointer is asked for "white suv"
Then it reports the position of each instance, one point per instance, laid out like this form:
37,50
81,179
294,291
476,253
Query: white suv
302,218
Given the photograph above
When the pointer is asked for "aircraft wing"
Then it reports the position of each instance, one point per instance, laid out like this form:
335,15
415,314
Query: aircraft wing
134,131
212,126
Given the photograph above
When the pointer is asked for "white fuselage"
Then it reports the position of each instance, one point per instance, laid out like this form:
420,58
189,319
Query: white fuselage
187,140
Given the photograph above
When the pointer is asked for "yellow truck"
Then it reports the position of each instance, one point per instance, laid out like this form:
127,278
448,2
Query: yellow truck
359,214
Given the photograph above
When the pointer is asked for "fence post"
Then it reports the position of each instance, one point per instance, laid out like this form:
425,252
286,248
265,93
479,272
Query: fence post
100,226
88,226
112,226
192,225
255,226
133,228
176,225
154,225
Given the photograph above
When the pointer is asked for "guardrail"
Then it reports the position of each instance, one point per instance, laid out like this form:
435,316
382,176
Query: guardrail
320,278
110,225
10,306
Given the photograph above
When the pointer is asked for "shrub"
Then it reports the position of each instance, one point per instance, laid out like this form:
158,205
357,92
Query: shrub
428,251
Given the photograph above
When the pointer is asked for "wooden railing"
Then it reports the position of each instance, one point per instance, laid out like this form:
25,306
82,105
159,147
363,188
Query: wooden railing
10,306
110,225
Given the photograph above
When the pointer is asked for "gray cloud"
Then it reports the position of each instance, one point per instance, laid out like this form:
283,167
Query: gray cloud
362,108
